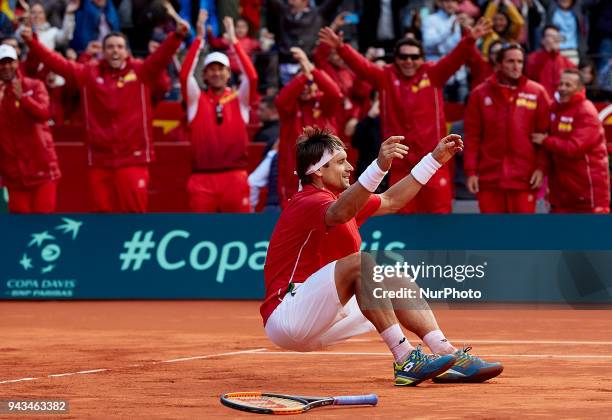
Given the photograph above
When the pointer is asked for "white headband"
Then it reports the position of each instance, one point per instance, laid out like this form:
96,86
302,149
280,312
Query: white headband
327,156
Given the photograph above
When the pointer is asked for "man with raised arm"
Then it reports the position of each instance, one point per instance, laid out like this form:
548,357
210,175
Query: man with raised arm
317,290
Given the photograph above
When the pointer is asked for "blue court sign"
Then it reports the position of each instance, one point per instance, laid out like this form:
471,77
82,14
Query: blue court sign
537,258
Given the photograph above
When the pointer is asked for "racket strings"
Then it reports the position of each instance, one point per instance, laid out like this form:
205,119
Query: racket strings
263,401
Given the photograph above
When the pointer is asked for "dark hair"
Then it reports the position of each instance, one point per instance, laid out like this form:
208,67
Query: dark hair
268,101
496,42
575,72
6,37
508,47
550,26
116,34
407,41
311,145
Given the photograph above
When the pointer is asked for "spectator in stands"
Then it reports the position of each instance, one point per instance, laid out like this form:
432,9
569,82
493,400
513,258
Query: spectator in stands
248,44
567,16
12,41
328,60
299,24
412,105
217,118
117,108
367,140
380,24
55,10
442,33
163,83
268,115
503,166
600,29
579,178
481,68
310,98
534,13
588,73
51,36
6,23
251,11
507,23
266,176
28,164
95,19
545,65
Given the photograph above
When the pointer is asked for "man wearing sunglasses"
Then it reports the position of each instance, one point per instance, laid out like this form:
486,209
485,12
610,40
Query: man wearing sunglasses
217,118
412,105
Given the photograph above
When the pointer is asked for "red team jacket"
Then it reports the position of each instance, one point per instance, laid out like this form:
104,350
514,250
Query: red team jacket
294,115
545,68
218,142
27,153
579,179
498,128
345,78
116,103
411,107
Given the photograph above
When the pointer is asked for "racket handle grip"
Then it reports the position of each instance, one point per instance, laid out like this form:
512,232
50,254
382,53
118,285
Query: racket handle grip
370,399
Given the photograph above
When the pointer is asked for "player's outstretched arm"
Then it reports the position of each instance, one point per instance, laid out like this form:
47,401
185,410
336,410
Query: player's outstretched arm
355,197
401,193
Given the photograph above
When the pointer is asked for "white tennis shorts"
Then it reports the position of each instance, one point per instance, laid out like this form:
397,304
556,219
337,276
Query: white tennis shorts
311,317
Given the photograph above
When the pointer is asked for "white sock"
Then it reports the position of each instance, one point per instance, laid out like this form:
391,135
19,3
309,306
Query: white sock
437,343
397,342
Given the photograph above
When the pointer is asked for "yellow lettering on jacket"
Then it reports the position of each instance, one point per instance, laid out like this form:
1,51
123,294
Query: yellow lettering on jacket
423,83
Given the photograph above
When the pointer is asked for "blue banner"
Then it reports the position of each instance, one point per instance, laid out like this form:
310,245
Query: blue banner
194,256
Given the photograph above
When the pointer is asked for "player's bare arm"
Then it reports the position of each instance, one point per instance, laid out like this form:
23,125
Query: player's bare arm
401,193
355,197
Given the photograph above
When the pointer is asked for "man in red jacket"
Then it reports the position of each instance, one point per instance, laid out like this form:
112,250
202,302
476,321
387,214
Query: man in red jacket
116,100
311,98
545,65
503,166
217,119
579,176
28,164
412,105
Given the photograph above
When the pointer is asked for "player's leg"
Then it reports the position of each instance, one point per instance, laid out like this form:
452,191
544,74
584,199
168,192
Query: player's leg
353,278
492,201
44,197
414,314
203,195
520,201
101,190
132,187
19,201
235,190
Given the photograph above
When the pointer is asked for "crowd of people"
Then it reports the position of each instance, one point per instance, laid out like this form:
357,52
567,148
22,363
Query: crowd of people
527,71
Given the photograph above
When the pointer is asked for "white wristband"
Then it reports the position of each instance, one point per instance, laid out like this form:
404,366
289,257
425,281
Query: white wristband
425,169
371,178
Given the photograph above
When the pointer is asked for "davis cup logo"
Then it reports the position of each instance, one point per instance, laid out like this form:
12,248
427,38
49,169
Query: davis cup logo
43,251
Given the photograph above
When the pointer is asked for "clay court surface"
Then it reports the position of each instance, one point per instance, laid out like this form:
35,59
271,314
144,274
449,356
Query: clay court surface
174,360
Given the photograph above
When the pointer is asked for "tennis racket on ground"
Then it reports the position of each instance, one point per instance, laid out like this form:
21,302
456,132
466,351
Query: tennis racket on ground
264,403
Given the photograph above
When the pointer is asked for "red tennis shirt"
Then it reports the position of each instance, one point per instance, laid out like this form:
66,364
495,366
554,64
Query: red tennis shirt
302,243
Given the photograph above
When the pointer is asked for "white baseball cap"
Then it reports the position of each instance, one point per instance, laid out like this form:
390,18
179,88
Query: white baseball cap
6,51
216,57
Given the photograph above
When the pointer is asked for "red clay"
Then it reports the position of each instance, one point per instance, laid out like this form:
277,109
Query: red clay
43,338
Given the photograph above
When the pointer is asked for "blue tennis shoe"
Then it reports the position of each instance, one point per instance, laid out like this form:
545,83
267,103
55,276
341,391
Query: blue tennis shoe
420,367
469,368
